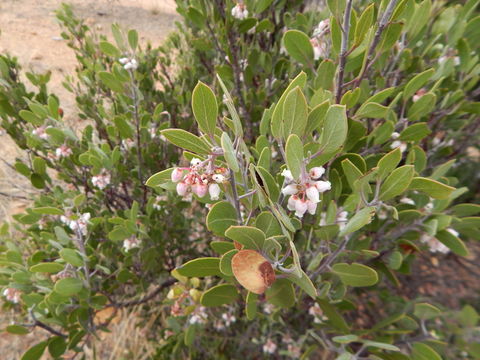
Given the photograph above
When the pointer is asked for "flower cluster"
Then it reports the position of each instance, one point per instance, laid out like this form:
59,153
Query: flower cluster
305,195
240,11
433,244
79,224
318,41
199,316
398,143
40,132
12,295
131,243
63,151
228,319
316,312
101,180
201,177
269,347
128,64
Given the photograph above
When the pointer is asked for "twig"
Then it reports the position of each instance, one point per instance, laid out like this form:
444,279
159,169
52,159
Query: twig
343,51
147,298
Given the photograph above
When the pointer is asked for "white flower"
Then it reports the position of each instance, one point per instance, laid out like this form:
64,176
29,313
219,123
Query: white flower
130,243
101,180
240,11
316,172
182,188
199,317
294,350
228,318
80,224
268,308
63,151
290,190
322,27
311,207
323,186
195,162
434,245
342,216
128,143
40,132
269,347
399,144
319,48
214,191
12,295
408,201
128,64
395,135
123,60
429,206
287,174
453,232
218,178
292,200
301,208
313,194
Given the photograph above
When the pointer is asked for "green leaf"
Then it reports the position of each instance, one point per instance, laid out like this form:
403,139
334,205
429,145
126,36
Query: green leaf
415,132
47,210
205,108
325,75
266,222
452,242
221,216
380,345
249,236
35,352
372,110
276,123
186,140
397,182
207,266
47,267
422,107
334,132
251,305
295,113
351,172
231,108
111,81
229,152
226,262
281,294
465,209
431,187
219,295
337,321
294,155
222,247
298,46
57,346
388,163
364,23
426,311
72,257
159,178
359,220
109,49
416,83
424,352
133,38
355,274
189,336
304,283
68,286
17,330
345,339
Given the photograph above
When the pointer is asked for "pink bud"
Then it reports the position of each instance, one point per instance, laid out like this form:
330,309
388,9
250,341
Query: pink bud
214,191
290,189
182,188
177,175
301,207
323,186
291,203
312,194
311,207
316,172
200,189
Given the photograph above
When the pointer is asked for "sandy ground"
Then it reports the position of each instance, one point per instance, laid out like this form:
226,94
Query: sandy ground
29,31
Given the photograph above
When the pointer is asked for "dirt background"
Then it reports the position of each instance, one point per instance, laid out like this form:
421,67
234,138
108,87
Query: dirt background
30,32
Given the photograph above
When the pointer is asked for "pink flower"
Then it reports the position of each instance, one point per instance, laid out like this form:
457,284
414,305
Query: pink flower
292,203
311,207
290,189
301,207
316,172
323,186
101,180
269,347
182,188
63,151
313,194
200,189
12,295
177,175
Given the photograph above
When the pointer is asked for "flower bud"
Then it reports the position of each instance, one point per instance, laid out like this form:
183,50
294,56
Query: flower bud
123,60
453,232
200,189
195,162
312,194
301,207
218,178
323,186
182,188
316,172
311,207
177,175
214,191
290,190
291,203
287,174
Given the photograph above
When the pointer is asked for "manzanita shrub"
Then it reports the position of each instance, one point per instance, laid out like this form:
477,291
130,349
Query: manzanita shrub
259,183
